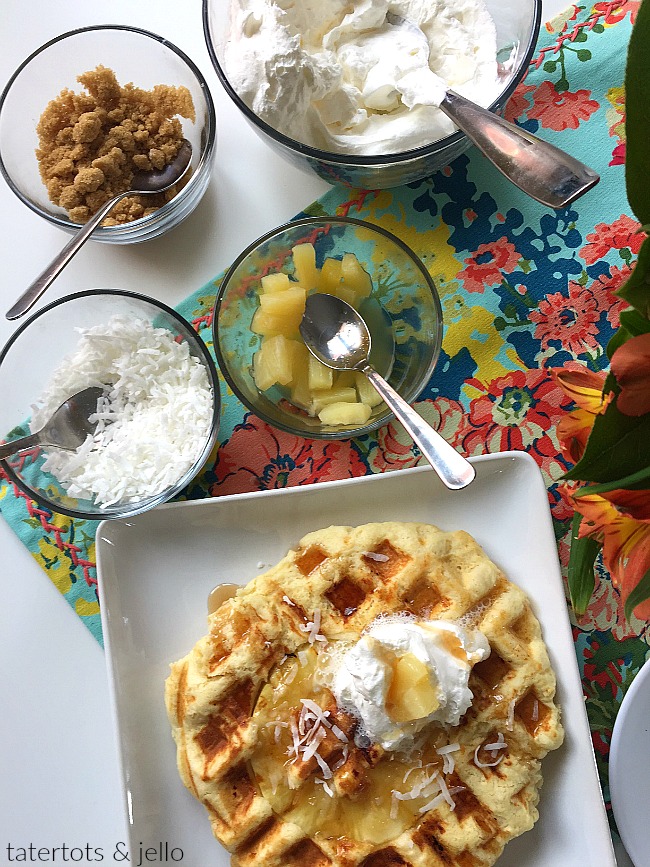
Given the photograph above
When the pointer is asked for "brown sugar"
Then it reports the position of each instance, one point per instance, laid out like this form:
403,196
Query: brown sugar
91,144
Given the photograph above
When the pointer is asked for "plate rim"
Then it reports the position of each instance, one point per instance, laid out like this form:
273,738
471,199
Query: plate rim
617,778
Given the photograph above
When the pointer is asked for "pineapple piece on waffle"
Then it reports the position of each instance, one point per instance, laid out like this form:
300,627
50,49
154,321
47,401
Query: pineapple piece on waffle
287,777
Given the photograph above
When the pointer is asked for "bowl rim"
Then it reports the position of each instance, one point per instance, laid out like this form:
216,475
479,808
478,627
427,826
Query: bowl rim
362,160
205,155
130,509
380,421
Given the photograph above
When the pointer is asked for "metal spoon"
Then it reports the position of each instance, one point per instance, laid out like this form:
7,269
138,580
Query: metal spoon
143,184
67,428
335,334
546,173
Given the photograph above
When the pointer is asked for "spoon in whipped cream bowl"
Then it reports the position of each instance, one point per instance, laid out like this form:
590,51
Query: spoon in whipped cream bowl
546,173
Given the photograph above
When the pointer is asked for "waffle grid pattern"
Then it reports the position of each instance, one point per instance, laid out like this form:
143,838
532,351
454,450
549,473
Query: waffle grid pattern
345,577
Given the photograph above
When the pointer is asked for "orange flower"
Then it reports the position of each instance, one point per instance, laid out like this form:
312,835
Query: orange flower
631,367
586,389
625,540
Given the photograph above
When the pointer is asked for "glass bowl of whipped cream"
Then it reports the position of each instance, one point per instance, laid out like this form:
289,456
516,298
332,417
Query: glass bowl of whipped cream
261,301
350,91
156,420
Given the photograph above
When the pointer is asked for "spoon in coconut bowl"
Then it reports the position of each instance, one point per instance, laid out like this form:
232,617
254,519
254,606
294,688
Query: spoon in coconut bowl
67,428
337,335
143,183
546,173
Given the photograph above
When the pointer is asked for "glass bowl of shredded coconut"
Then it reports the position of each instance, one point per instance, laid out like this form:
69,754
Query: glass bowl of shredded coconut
339,89
90,108
157,417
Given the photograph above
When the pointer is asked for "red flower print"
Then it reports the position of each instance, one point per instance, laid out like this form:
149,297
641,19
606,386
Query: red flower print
395,446
559,111
258,457
571,321
517,411
603,291
618,154
615,12
484,267
518,104
624,233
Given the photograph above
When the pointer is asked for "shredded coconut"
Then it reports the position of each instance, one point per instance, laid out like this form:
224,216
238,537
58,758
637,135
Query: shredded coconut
153,419
372,555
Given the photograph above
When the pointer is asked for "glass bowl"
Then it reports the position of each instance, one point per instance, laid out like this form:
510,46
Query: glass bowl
39,347
135,56
403,314
517,25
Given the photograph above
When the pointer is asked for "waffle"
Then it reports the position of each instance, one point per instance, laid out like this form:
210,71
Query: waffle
240,702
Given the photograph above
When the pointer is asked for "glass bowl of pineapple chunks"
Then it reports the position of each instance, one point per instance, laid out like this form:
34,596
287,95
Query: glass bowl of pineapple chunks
261,302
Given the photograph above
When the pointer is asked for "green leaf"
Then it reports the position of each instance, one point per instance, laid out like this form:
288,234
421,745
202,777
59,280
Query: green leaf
549,66
640,593
637,121
581,578
636,289
634,323
581,36
635,481
584,54
617,447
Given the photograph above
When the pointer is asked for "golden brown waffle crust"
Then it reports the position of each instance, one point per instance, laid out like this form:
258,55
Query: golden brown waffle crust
346,577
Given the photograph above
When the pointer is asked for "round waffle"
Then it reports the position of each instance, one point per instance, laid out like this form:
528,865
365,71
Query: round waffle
288,779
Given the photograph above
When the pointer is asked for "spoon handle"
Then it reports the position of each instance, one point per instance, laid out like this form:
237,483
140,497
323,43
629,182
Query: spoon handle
31,295
10,448
454,470
548,174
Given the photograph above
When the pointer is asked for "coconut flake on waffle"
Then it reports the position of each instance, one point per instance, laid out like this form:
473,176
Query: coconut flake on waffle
510,720
373,555
312,628
309,731
494,750
448,761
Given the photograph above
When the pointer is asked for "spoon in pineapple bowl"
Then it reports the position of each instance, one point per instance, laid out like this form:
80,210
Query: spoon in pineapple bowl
143,183
546,173
337,336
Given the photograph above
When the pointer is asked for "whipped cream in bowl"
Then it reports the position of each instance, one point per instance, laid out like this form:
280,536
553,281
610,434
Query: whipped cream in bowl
340,77
403,674
339,88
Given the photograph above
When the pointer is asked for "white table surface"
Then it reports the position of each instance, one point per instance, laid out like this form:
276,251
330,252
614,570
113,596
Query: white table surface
59,781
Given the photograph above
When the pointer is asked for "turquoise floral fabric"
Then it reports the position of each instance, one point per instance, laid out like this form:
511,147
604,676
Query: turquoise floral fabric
523,288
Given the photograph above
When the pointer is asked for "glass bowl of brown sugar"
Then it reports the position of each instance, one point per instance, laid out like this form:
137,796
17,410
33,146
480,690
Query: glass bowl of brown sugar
91,107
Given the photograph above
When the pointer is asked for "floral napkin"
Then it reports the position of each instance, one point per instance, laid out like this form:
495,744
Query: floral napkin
523,289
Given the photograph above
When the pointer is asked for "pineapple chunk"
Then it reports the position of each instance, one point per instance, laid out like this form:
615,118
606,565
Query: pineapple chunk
320,376
345,413
366,391
346,294
304,260
273,362
287,303
411,694
276,282
330,276
321,399
269,324
300,391
346,379
355,276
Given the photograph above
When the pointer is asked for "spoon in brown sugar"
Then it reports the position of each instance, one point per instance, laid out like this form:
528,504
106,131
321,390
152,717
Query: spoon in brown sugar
143,184
67,428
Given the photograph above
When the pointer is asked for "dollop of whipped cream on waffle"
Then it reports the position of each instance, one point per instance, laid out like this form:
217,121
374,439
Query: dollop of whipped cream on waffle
342,77
403,674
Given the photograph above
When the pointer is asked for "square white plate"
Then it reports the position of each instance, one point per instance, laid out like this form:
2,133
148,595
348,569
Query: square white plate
156,571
